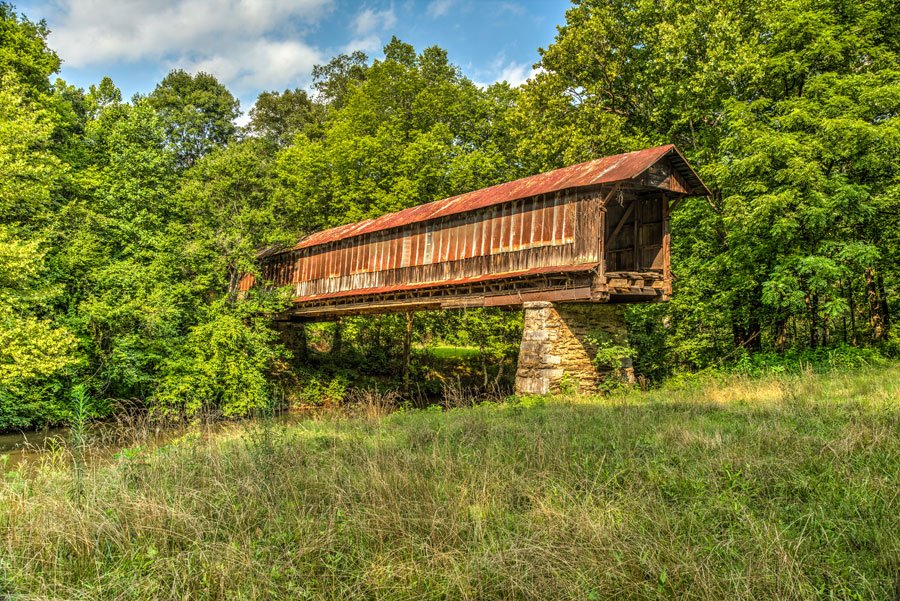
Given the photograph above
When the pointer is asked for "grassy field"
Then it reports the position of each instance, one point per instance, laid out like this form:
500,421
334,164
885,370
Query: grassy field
784,487
453,352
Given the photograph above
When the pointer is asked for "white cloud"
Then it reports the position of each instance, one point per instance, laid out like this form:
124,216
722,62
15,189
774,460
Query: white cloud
257,64
371,20
515,74
246,44
439,8
370,44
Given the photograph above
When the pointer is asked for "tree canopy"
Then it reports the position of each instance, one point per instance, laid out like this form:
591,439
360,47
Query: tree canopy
126,224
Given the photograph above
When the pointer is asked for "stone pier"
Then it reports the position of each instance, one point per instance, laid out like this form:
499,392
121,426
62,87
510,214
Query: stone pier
555,347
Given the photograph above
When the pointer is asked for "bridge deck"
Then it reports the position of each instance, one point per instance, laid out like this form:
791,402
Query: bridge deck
597,231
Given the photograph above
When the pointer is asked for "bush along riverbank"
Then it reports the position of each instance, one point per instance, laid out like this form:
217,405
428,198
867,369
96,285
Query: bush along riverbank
733,487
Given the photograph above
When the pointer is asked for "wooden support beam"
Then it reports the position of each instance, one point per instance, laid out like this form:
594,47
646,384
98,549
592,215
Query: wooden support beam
612,191
670,205
621,223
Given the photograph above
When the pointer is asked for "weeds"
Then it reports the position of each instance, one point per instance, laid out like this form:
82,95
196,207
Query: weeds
783,487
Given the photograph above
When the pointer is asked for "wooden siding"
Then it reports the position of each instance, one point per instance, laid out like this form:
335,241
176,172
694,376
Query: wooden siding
548,230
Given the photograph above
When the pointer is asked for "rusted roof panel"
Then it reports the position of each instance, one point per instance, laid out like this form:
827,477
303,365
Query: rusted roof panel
599,171
456,282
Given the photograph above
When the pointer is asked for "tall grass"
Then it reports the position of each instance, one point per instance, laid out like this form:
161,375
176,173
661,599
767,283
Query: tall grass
785,487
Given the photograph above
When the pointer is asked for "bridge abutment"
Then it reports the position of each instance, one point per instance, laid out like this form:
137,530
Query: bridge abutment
557,346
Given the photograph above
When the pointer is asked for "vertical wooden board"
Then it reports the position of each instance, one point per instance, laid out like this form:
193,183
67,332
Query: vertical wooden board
569,222
601,240
542,225
315,261
468,240
477,243
486,234
379,252
485,244
393,251
420,244
329,263
407,240
398,244
496,229
453,234
344,265
414,238
527,223
363,255
385,252
428,253
637,234
560,225
320,263
438,242
446,239
556,229
515,226
357,256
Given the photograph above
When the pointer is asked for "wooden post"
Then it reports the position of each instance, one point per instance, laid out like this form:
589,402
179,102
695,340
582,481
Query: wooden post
407,344
338,339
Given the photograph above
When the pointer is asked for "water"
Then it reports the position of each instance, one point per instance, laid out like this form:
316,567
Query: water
27,447
105,439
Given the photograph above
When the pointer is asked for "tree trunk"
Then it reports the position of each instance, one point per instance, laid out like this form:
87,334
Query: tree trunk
852,306
886,315
780,334
813,303
499,372
484,367
876,320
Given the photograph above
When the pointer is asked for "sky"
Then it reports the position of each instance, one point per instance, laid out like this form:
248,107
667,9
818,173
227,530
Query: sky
256,45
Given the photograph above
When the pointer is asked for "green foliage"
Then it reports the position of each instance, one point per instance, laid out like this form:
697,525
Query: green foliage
198,111
611,349
125,226
223,361
412,130
790,111
279,117
24,55
317,390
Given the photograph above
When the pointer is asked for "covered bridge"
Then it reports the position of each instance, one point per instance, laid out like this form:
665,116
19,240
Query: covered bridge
597,232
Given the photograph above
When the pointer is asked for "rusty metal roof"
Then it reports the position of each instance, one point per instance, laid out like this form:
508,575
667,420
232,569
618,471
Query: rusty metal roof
599,171
454,282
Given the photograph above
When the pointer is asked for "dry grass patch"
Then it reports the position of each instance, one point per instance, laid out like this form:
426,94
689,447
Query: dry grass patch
776,488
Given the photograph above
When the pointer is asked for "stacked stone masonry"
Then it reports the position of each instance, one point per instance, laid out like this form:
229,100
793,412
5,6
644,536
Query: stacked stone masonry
555,346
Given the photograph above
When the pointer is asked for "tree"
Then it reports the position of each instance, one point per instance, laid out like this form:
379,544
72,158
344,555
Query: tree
789,110
334,80
278,117
25,58
198,111
414,130
34,350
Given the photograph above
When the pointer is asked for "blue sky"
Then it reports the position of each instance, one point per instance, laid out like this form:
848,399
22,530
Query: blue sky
255,45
